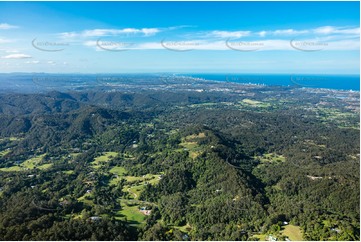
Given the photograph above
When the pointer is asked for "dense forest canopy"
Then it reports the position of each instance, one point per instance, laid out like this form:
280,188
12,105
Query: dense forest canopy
253,164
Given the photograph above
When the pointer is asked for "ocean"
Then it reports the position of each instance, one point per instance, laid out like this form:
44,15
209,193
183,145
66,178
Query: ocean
342,82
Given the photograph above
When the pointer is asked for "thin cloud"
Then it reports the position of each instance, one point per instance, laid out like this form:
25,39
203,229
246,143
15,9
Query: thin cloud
324,30
229,34
93,44
329,38
5,41
336,30
224,34
32,62
11,51
216,44
181,27
262,33
110,32
116,32
289,32
16,56
279,33
5,26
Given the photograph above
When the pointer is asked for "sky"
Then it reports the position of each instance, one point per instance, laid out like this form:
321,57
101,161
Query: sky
180,37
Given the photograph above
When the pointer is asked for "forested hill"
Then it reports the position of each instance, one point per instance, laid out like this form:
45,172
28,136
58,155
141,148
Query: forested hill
65,102
162,165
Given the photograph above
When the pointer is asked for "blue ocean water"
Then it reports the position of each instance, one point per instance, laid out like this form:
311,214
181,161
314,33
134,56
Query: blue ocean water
342,82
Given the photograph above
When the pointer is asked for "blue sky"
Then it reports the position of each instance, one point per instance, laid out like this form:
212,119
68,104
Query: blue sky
188,37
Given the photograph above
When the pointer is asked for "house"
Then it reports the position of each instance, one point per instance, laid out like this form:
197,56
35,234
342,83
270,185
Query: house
95,218
146,212
65,202
336,230
271,238
185,237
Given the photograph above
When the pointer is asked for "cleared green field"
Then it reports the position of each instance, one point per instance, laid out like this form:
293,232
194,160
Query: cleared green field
33,162
341,118
151,178
106,156
141,180
131,213
45,166
135,190
11,139
251,102
136,184
12,168
85,200
4,152
185,228
261,237
98,161
190,143
118,170
292,232
271,157
255,103
15,138
69,172
29,164
202,105
73,155
154,179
